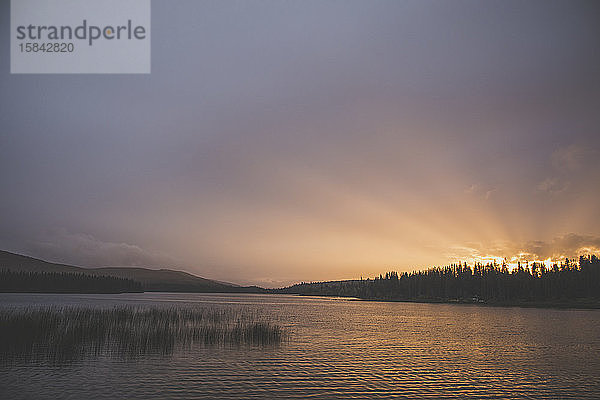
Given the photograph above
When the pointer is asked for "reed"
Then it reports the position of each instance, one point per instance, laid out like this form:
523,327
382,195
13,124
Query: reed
70,333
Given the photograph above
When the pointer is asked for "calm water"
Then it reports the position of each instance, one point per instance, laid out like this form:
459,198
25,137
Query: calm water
338,349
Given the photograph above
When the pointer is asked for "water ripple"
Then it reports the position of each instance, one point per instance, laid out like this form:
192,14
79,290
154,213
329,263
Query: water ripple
341,349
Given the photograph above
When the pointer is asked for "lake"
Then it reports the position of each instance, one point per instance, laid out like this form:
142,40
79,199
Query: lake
335,348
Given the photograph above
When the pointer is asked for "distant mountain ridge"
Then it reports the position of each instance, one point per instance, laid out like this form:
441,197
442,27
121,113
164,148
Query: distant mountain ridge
161,280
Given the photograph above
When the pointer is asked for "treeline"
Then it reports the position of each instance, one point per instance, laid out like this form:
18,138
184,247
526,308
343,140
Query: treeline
62,282
490,283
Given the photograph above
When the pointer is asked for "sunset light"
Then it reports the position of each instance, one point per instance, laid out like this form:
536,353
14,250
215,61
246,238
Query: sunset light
299,199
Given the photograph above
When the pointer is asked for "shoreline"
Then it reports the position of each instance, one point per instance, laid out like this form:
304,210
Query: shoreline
582,304
573,304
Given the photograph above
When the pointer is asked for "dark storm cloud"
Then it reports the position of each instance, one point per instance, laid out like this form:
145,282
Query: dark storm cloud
87,250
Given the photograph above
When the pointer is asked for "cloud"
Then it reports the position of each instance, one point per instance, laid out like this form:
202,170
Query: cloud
481,192
488,194
472,189
571,245
571,165
570,158
86,250
552,186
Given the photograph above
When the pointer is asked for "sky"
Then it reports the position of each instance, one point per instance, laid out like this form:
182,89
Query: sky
276,142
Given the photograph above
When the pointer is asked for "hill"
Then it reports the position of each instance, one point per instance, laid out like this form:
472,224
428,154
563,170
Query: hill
161,280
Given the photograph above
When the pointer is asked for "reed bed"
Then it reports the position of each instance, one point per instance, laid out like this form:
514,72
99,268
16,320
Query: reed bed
71,332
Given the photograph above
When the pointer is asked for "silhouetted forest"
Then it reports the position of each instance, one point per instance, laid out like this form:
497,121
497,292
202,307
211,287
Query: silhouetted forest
491,283
62,282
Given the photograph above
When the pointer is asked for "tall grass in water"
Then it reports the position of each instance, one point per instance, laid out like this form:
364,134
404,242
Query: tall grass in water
62,334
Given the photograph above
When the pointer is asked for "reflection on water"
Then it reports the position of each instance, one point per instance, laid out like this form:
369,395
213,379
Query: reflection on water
335,349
